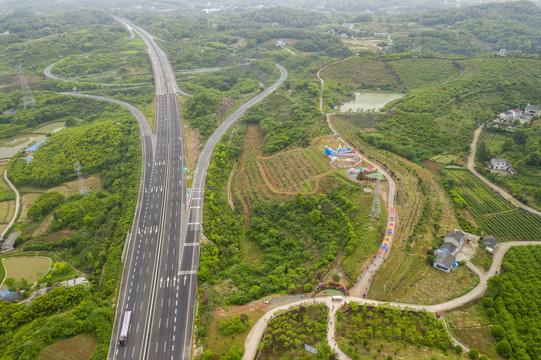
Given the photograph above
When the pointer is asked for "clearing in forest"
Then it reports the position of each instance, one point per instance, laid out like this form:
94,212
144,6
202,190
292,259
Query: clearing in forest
29,267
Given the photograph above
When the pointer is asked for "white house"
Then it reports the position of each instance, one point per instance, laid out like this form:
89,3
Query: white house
511,114
498,164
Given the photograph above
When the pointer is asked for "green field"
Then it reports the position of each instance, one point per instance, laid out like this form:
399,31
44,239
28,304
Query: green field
493,214
493,141
416,73
30,268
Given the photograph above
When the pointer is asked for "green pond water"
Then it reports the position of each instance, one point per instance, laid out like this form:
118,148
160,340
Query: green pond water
369,101
13,146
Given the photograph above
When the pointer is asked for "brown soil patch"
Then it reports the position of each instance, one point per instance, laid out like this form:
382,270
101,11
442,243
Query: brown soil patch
57,236
80,347
29,231
433,167
93,183
468,216
192,146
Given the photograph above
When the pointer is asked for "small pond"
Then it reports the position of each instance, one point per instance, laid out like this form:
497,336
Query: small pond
50,128
369,101
11,147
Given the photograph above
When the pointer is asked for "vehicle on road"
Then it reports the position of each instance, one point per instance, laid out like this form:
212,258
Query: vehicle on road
336,298
124,330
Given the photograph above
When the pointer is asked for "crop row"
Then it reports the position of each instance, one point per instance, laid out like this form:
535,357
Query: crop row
513,225
493,141
481,199
290,170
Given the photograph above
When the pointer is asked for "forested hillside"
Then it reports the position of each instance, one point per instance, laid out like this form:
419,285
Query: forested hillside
512,25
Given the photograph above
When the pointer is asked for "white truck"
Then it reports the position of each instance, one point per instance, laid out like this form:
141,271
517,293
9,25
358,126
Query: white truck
124,330
337,298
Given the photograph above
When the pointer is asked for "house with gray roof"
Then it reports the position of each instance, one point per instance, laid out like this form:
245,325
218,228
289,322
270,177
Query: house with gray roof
533,110
445,261
6,295
490,242
456,238
9,243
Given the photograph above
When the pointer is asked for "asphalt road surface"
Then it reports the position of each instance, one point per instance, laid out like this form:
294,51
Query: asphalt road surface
160,268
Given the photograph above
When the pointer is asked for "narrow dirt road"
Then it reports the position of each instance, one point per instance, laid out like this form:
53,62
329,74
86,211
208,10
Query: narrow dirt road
506,196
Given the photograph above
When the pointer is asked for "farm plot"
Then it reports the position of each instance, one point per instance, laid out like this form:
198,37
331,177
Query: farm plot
80,347
360,73
287,172
493,141
493,214
29,267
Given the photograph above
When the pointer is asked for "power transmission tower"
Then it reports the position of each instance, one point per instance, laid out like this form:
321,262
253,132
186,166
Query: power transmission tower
28,98
376,206
82,185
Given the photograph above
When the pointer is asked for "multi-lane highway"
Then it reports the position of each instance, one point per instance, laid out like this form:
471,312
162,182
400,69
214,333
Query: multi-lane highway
154,253
160,269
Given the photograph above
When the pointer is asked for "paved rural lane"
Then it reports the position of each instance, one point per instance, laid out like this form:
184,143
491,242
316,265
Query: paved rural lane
502,192
253,338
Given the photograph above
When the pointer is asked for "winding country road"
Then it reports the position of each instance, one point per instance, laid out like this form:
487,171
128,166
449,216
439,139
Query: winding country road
502,192
17,203
253,338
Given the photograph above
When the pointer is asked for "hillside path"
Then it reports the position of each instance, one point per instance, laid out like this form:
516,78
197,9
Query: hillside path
503,193
256,333
17,203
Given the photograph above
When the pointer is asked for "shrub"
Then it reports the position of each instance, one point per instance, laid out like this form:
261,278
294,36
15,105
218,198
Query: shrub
498,332
488,302
336,277
474,354
504,349
458,349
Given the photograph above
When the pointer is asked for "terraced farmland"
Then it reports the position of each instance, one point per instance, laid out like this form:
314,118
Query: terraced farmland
493,214
281,176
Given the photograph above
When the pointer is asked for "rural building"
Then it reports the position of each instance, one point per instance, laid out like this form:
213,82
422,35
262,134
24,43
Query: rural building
533,110
74,282
280,43
455,238
501,164
348,26
511,114
445,261
490,242
6,295
9,243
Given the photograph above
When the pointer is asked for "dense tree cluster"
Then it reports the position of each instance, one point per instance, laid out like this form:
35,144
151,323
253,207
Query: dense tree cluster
515,303
287,333
390,324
